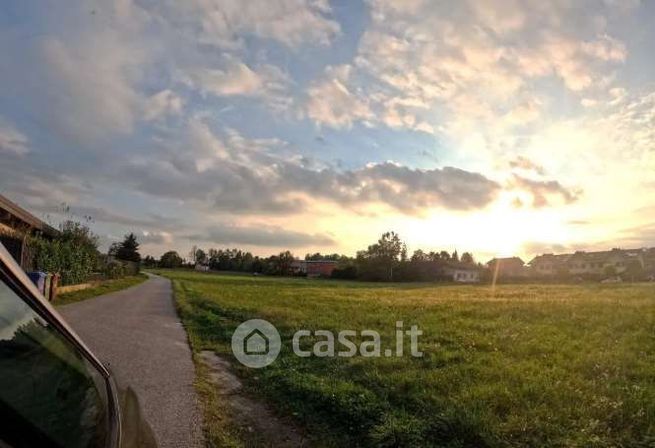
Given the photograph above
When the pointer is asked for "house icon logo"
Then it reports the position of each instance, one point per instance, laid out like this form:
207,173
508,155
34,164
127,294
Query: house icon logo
256,343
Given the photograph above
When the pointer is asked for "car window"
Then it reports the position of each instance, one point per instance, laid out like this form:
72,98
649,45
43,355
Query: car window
50,395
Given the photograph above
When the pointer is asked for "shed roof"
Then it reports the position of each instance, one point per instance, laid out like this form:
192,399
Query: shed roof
19,213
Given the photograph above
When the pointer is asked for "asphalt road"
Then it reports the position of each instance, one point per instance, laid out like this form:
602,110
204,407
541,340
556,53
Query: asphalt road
138,334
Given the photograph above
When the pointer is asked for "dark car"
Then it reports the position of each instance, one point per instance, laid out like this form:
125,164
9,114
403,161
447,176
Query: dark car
54,392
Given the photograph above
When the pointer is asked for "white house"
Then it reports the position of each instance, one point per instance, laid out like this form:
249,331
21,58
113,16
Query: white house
462,273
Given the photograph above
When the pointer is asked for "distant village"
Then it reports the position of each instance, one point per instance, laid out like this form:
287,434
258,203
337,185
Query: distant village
613,265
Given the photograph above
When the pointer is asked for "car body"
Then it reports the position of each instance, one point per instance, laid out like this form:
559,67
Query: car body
54,392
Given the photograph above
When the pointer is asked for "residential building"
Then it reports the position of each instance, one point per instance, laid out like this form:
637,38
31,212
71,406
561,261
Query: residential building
313,268
462,272
600,263
547,265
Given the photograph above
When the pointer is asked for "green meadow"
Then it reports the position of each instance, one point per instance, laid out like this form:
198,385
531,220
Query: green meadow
518,366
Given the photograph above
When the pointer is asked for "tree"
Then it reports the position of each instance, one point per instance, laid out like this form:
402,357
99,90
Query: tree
319,256
129,249
454,256
200,256
467,258
378,261
634,271
149,262
170,259
419,255
113,249
281,264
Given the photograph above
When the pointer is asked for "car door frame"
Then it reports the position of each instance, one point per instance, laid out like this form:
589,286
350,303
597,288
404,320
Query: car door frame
18,281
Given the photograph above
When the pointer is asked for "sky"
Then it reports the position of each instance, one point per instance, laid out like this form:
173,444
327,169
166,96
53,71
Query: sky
497,127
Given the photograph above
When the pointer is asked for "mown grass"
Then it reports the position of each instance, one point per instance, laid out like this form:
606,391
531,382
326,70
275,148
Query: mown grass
104,287
524,365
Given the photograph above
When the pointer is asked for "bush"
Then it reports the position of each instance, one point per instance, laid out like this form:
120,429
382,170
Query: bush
73,254
114,269
345,273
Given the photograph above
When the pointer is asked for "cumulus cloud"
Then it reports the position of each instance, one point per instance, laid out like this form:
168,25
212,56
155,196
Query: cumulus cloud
235,78
240,175
260,235
332,104
473,64
12,140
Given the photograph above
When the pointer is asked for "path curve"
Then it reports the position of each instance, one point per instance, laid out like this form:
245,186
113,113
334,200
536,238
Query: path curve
138,334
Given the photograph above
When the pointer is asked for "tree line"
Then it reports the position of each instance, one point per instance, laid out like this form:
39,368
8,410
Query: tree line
385,260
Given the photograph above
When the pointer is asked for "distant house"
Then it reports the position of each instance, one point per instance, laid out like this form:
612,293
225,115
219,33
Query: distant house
502,268
313,268
594,264
16,224
462,272
547,265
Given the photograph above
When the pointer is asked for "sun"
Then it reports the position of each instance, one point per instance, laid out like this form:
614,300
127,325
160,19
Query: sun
501,230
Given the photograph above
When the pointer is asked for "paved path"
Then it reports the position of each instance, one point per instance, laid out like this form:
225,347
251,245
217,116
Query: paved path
138,334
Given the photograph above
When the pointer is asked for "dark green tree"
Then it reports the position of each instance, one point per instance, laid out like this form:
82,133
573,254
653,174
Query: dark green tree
149,262
129,249
379,260
170,259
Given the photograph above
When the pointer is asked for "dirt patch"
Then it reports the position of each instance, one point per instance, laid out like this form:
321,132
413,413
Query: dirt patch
252,415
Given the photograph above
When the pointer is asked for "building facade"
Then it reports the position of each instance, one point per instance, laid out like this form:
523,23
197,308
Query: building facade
594,264
313,268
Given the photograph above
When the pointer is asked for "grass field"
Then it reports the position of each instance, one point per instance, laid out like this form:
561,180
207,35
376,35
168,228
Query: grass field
524,365
104,287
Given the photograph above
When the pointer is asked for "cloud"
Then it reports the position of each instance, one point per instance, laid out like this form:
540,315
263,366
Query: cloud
261,235
525,164
331,103
225,23
235,78
545,192
162,104
79,77
12,140
471,67
155,238
243,175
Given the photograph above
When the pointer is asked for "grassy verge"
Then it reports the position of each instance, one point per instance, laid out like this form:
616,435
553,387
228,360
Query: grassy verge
220,429
103,287
524,365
